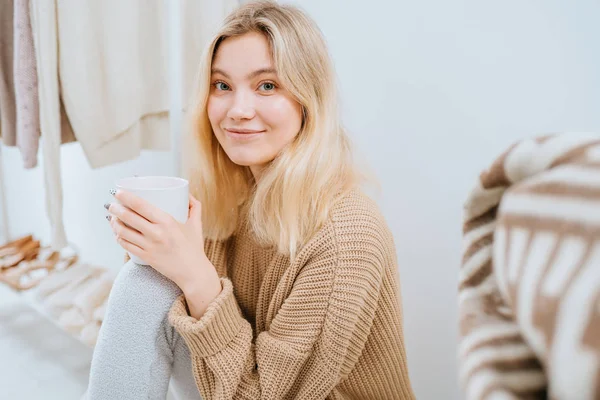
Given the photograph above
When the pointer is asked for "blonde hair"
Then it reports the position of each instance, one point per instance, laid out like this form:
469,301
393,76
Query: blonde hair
294,195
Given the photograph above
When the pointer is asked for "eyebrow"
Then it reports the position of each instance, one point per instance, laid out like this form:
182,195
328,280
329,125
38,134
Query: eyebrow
250,75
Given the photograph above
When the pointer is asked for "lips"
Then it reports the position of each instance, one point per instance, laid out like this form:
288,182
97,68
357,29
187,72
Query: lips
243,135
243,131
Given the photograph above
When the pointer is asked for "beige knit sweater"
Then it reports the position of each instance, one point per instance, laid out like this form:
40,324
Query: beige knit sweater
326,326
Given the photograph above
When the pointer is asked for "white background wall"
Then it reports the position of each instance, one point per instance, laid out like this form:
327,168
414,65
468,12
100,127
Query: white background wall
432,90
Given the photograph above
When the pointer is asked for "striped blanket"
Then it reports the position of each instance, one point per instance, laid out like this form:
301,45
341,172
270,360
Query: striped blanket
529,286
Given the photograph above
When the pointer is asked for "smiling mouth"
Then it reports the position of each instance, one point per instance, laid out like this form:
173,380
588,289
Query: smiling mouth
243,135
243,131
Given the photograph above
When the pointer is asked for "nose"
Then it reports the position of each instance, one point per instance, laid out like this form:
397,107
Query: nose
242,106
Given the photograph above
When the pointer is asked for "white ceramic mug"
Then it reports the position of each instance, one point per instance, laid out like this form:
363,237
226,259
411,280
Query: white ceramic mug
169,193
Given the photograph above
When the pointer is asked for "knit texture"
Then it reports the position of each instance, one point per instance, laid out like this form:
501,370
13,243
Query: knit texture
529,294
327,325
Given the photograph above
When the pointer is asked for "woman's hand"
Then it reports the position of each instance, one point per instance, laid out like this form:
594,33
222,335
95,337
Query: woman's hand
174,249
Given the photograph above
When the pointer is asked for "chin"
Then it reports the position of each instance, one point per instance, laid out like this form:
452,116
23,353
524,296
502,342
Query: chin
247,157
246,161
242,163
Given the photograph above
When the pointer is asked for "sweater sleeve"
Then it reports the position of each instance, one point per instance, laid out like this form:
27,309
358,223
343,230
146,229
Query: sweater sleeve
314,340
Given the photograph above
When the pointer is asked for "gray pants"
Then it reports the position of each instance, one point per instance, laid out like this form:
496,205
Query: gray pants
138,352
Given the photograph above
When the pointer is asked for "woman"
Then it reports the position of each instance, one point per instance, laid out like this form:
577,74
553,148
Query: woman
283,283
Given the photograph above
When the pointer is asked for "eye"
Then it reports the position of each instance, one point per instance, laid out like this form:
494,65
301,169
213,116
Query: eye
221,86
267,86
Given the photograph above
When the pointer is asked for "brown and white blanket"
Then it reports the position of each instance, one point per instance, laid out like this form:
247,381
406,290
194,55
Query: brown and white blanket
529,287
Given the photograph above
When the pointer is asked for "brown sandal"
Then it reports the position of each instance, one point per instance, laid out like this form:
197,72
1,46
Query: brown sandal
14,246
11,276
28,275
26,252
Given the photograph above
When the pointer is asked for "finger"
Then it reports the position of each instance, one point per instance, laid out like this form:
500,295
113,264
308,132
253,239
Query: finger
193,199
141,207
132,248
122,231
195,207
131,218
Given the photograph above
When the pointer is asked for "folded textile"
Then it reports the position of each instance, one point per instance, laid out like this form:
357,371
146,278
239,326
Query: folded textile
76,323
529,287
72,320
62,299
89,333
77,298
83,315
100,311
90,297
59,280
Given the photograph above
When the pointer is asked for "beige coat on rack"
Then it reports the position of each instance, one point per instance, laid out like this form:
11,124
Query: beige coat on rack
113,82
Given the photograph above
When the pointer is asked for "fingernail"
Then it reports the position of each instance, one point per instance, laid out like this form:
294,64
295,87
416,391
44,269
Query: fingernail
113,192
107,205
108,217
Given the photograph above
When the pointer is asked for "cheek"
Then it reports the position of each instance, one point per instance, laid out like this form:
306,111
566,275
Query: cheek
285,116
215,111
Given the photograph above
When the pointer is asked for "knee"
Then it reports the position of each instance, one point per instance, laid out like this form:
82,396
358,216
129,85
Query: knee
142,289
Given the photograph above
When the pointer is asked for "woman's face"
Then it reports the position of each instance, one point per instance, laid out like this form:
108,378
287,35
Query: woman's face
251,114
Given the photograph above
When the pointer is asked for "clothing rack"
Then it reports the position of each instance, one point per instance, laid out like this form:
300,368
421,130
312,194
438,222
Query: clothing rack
175,77
175,65
175,112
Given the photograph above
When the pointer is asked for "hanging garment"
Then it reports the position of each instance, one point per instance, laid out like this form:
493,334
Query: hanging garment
26,89
113,82
7,89
43,24
25,81
20,84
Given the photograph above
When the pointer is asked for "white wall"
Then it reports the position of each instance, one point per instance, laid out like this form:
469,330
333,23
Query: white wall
432,90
